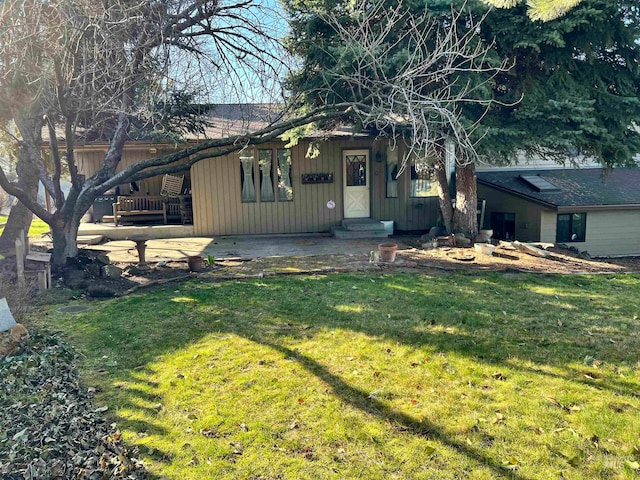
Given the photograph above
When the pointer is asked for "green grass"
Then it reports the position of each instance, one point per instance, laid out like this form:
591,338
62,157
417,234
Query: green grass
38,227
402,376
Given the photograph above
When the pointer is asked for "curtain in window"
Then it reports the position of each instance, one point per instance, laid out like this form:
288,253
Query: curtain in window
285,189
248,187
265,161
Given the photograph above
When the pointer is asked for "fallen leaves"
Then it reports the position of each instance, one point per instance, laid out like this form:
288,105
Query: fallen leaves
633,465
566,408
49,425
510,464
209,432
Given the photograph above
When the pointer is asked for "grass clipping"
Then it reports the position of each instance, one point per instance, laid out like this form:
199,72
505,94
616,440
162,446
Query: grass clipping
49,427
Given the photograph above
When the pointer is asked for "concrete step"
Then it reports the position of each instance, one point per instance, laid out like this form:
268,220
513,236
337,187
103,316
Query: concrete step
343,233
362,225
89,239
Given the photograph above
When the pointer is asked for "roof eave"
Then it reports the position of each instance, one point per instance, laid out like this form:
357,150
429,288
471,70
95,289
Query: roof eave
518,194
597,208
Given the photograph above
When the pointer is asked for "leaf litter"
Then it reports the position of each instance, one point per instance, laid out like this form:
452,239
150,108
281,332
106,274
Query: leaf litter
49,427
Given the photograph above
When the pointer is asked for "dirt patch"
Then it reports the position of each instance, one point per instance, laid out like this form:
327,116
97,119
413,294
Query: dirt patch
90,283
561,260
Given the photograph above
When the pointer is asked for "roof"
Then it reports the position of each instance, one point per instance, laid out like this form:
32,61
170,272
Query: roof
587,187
223,120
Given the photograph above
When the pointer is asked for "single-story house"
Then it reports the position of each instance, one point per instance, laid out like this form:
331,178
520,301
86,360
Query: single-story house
272,189
593,209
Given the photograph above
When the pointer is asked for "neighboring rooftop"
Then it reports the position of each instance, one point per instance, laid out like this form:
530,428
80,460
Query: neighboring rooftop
570,187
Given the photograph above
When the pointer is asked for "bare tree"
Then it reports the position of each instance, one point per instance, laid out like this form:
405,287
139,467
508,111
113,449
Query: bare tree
420,99
97,68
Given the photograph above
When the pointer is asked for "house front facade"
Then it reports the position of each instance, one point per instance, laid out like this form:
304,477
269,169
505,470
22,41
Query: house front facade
273,189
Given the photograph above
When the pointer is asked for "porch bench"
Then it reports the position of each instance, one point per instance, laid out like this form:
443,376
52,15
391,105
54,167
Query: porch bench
140,206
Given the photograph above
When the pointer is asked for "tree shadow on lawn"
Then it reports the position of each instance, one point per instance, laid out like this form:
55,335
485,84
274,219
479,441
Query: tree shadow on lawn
523,325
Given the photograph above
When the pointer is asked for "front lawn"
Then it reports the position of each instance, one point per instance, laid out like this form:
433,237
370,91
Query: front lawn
38,227
373,376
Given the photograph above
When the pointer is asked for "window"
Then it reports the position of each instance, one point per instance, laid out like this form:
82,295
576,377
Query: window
391,172
265,163
422,179
571,227
285,188
266,173
503,225
356,170
247,179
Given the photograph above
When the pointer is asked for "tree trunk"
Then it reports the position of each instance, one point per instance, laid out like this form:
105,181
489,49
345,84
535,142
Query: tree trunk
19,219
64,234
444,197
465,218
27,171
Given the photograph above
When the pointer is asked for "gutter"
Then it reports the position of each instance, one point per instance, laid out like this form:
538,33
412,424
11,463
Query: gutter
597,208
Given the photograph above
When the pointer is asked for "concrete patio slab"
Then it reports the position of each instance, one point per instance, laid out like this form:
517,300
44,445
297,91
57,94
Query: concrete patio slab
244,247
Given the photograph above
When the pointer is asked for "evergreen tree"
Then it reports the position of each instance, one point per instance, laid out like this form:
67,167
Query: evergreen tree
539,9
573,89
579,81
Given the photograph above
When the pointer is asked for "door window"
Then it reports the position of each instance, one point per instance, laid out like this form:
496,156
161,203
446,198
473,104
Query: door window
356,170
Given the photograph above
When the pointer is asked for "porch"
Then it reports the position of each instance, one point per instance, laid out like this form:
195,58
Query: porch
123,232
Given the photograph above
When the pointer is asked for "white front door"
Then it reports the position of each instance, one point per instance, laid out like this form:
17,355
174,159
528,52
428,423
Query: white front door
355,174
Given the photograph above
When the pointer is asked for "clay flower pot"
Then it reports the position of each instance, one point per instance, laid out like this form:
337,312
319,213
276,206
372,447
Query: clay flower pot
195,263
388,252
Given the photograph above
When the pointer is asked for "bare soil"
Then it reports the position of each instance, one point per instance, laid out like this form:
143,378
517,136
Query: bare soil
409,257
561,261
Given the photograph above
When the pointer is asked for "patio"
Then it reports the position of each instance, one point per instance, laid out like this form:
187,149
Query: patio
245,247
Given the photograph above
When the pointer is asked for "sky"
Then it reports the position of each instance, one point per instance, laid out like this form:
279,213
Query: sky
246,79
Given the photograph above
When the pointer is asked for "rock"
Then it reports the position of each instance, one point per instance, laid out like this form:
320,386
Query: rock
12,341
433,233
484,236
6,318
93,269
530,249
102,259
111,271
461,240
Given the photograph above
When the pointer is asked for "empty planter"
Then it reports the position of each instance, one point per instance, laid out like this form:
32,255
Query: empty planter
195,263
388,252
